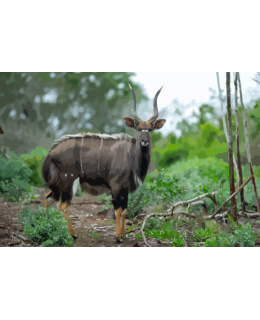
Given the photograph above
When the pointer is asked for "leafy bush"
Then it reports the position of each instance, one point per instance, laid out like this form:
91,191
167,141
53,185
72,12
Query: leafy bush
34,161
165,186
48,229
14,176
142,198
241,235
14,191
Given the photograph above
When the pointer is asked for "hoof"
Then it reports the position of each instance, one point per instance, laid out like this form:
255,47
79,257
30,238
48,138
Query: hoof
118,241
74,237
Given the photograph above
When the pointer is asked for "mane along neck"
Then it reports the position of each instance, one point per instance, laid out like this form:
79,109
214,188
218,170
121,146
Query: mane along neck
142,160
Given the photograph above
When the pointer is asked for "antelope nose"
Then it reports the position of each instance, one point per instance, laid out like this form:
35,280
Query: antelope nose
144,143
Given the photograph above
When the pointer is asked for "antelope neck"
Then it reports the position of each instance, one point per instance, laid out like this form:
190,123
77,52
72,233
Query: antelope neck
142,159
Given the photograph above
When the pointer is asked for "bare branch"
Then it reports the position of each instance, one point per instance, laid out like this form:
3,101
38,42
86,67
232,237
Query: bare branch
247,141
225,202
230,150
240,178
224,123
255,80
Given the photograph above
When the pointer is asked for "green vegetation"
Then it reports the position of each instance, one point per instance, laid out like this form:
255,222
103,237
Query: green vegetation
49,229
167,231
212,236
14,176
237,235
34,160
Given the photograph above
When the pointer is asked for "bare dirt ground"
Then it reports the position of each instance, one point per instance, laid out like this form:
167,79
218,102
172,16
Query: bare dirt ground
92,227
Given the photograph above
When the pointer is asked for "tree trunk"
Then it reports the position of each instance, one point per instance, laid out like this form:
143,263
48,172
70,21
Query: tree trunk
247,140
230,150
225,127
237,145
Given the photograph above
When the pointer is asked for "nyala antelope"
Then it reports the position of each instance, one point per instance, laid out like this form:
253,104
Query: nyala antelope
112,164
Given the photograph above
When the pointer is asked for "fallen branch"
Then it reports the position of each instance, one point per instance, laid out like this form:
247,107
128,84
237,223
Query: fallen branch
186,203
225,202
170,211
254,215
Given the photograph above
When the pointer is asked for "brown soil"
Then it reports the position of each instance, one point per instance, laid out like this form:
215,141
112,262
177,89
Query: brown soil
92,227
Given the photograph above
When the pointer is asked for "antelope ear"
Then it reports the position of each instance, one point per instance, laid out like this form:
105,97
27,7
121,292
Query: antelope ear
159,124
130,122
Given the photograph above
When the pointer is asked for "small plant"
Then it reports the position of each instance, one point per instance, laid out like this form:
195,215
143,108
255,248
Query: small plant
166,232
108,201
30,194
48,229
238,235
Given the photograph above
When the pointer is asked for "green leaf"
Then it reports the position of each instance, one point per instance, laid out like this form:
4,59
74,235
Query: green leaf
95,235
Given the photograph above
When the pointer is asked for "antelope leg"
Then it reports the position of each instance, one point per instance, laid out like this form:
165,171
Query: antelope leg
118,213
122,222
49,200
64,208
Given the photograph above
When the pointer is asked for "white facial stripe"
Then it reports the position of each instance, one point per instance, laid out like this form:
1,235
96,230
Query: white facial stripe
144,130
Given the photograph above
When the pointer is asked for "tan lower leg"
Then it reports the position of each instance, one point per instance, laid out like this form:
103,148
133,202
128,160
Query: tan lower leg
64,208
118,218
48,202
124,212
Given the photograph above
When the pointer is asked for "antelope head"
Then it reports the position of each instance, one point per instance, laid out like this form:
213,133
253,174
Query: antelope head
144,128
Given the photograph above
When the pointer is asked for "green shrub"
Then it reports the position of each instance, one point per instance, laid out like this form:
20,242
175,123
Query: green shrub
165,187
14,177
166,232
241,235
48,229
34,161
142,198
